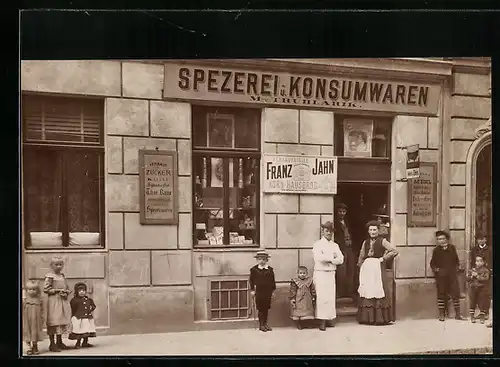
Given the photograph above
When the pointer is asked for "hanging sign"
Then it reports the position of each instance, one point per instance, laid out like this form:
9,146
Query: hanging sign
412,161
422,197
188,81
299,174
158,187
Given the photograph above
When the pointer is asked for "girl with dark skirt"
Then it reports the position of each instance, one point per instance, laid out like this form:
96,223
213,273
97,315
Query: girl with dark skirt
375,305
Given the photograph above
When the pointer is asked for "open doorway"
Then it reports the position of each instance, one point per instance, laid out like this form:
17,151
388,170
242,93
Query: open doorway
364,201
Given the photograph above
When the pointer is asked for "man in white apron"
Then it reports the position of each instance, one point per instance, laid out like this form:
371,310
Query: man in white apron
327,256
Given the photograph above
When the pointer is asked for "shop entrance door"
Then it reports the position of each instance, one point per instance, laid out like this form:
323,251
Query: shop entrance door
364,202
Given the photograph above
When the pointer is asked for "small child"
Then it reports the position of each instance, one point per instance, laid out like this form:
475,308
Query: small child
82,320
484,250
262,287
478,278
302,297
58,308
32,317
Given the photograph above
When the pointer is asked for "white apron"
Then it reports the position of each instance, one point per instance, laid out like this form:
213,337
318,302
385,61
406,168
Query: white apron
370,279
324,282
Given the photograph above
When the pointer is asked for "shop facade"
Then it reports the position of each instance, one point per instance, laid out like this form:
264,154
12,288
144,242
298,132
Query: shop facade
157,182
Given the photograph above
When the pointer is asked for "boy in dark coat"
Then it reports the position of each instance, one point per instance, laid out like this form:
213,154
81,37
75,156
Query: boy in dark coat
262,287
484,250
445,265
479,293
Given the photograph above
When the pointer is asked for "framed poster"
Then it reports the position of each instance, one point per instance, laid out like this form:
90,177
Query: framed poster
422,197
158,187
358,136
220,130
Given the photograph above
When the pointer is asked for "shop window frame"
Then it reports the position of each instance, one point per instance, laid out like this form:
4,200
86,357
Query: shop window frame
64,149
226,153
248,309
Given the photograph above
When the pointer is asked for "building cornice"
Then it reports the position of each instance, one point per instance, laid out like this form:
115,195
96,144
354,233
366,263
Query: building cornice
414,70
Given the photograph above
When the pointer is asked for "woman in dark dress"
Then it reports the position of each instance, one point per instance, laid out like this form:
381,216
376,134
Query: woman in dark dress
375,305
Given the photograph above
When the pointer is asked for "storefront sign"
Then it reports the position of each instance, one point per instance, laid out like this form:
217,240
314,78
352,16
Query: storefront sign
158,187
204,83
412,161
300,174
422,197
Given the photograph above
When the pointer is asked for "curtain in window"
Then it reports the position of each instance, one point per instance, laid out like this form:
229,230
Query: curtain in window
43,182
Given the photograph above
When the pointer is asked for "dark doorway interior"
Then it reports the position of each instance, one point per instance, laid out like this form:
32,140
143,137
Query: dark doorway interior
363,201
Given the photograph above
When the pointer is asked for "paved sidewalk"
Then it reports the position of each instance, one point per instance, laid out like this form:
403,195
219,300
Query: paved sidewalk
412,336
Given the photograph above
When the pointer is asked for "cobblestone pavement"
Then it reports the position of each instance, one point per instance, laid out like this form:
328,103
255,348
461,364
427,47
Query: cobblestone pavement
412,336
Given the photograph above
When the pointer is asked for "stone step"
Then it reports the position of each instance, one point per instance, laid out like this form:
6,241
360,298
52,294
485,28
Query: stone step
344,301
347,311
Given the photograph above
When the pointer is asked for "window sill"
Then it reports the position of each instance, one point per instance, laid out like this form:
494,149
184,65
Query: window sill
227,248
64,250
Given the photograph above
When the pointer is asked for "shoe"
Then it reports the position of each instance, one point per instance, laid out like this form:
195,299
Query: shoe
441,315
489,325
54,348
62,346
322,326
87,345
299,326
481,319
262,327
330,323
268,328
459,317
29,352
473,319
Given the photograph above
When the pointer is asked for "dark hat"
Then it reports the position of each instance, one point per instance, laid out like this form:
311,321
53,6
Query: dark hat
262,253
481,234
80,285
341,206
442,233
327,225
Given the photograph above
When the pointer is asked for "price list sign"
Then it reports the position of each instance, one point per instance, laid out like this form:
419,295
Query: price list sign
422,195
158,187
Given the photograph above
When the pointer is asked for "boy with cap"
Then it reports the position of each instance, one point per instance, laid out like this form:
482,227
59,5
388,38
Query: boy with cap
483,250
445,265
262,287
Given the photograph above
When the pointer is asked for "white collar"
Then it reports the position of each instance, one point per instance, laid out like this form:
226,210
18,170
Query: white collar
263,267
481,247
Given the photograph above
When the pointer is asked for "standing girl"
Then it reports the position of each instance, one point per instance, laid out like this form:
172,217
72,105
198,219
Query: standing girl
302,297
82,321
58,308
32,316
375,306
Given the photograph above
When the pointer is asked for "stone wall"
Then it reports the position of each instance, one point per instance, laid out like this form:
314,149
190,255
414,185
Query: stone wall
414,244
470,108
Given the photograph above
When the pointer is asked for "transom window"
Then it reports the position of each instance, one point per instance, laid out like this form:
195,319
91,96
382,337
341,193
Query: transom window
229,299
63,170
226,168
363,137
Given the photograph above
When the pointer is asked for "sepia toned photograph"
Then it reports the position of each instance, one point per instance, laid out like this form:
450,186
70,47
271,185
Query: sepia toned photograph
256,207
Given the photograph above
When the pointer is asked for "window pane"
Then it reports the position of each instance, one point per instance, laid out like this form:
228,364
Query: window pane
233,299
215,315
243,313
381,140
214,285
230,284
42,176
243,203
214,296
243,298
220,130
199,127
224,299
243,284
228,314
246,131
83,190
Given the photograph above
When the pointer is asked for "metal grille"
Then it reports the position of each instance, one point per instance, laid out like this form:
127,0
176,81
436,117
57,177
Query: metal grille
229,299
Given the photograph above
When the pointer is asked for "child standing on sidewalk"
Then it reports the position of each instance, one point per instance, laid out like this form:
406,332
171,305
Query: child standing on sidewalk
32,317
302,297
479,278
58,308
82,320
262,287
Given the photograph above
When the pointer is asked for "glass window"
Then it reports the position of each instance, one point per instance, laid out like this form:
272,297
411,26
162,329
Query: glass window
226,173
63,169
362,137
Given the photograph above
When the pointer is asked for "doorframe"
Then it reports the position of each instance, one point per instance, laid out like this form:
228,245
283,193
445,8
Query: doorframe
483,139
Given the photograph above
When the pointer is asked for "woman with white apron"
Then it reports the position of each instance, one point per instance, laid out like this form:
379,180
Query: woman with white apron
375,305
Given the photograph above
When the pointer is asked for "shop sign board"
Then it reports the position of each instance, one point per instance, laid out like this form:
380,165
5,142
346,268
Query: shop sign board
412,161
422,197
300,174
186,81
158,187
